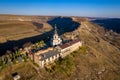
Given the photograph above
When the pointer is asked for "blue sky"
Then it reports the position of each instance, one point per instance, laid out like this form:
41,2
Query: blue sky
90,8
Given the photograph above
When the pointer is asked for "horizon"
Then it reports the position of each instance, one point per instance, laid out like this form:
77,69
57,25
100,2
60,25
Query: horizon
59,16
78,8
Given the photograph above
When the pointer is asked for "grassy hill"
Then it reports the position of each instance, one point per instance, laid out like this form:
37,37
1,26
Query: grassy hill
15,30
98,59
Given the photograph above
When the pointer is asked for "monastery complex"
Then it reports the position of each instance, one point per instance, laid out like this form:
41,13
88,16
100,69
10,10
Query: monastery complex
58,50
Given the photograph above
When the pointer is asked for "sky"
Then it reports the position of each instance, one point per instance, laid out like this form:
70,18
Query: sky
86,8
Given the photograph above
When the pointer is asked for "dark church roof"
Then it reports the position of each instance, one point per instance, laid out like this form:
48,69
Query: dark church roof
48,54
68,44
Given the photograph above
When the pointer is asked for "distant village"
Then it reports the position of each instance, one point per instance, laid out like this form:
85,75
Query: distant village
41,53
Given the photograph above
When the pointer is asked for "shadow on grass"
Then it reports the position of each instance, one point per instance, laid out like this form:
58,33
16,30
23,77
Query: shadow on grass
64,24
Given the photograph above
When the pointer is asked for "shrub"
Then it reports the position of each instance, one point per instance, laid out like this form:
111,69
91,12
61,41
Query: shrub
64,66
83,49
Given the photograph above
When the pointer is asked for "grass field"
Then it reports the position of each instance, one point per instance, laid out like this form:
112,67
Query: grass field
15,30
24,69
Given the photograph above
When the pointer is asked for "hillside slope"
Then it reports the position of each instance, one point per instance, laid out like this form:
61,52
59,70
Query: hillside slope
15,30
15,27
100,61
101,54
109,24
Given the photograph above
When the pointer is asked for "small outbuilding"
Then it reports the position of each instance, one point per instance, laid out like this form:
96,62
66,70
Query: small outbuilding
16,76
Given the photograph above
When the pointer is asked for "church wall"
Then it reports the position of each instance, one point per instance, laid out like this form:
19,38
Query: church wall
47,61
68,50
75,46
36,59
64,52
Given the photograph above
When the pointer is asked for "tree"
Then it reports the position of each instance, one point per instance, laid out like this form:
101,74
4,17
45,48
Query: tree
42,43
17,53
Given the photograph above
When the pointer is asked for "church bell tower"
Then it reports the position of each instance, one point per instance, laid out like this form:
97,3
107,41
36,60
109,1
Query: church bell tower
55,40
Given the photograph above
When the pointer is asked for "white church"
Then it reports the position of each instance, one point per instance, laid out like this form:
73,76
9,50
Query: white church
49,55
56,40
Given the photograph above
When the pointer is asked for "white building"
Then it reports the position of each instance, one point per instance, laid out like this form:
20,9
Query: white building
67,48
48,56
16,76
55,40
45,57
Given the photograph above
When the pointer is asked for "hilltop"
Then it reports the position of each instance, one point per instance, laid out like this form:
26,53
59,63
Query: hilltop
98,59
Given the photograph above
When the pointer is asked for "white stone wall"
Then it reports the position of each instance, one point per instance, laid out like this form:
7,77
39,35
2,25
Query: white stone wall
64,52
68,50
49,60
